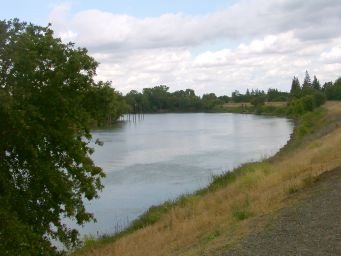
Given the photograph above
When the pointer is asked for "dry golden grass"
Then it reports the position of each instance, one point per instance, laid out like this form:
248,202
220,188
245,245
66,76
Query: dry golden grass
217,219
237,105
277,104
248,104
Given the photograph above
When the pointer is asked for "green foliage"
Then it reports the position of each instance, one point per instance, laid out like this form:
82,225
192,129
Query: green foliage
159,99
210,236
307,81
242,213
293,189
296,89
45,168
184,101
209,101
103,104
258,101
274,95
295,108
306,98
320,98
333,91
308,103
255,94
316,84
308,123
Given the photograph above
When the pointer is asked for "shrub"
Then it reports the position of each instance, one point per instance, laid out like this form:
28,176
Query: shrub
295,107
308,102
320,98
258,101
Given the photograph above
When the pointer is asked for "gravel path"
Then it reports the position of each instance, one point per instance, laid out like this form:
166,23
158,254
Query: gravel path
311,227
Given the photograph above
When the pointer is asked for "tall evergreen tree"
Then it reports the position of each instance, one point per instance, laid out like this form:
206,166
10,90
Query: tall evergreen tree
295,90
306,81
247,92
316,84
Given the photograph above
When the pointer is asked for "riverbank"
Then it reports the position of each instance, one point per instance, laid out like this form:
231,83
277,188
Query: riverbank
217,217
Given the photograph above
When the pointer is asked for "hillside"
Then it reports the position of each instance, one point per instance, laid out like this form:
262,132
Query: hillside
311,226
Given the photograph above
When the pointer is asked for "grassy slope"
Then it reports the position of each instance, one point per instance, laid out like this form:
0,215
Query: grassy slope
236,203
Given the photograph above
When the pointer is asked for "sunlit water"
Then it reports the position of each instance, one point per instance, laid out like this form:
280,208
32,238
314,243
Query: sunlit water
166,155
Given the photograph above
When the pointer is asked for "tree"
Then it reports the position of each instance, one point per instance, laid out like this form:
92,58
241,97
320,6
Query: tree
247,93
326,85
316,84
295,90
45,168
184,101
333,91
275,95
158,97
104,104
258,101
224,98
209,101
307,81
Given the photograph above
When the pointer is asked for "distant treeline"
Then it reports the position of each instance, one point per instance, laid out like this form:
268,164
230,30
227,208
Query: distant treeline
105,105
305,96
159,99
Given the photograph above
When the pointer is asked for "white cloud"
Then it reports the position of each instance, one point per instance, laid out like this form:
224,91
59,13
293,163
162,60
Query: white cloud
280,44
277,40
68,36
333,55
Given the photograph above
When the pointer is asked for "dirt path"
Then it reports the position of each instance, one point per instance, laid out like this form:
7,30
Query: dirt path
311,227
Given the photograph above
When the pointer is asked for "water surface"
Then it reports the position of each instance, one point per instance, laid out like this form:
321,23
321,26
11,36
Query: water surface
166,155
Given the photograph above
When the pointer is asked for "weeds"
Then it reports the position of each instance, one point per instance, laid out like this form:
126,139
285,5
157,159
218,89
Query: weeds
293,189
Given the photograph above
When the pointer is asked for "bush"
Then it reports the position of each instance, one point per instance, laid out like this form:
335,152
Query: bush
295,107
308,102
258,101
320,98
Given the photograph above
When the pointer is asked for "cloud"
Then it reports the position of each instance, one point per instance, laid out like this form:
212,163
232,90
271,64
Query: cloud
101,30
275,40
333,55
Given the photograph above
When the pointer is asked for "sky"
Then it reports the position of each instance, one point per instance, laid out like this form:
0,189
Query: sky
207,45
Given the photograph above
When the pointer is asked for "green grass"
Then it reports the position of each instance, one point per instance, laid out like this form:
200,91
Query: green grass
293,189
210,236
243,212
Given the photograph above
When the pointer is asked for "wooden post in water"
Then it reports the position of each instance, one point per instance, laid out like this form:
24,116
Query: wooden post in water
135,114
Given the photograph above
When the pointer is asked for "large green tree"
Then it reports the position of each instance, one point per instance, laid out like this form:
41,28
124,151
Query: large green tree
45,168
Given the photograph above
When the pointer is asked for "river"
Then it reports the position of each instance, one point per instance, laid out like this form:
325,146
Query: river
166,155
